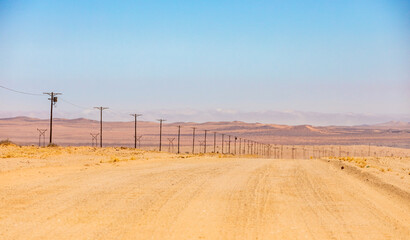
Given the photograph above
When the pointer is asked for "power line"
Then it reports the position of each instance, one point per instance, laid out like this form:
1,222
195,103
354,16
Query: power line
21,92
75,105
253,147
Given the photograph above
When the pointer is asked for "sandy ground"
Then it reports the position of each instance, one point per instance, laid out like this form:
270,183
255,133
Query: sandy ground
85,193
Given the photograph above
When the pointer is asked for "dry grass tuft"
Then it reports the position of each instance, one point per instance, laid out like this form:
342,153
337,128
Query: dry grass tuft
7,142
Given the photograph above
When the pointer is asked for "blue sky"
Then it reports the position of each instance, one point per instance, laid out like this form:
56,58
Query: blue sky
248,56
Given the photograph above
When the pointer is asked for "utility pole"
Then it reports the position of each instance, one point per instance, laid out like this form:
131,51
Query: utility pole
214,142
179,136
281,151
171,145
94,139
139,141
235,144
135,128
368,154
252,147
205,141
304,152
101,125
160,132
41,132
193,140
53,99
293,152
222,143
229,144
240,146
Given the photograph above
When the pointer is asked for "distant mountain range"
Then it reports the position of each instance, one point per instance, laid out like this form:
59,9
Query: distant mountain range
217,115
77,132
394,124
304,127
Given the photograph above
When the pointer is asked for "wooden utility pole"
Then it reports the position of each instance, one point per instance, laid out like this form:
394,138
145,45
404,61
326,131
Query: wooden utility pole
135,128
368,154
193,140
101,123
236,138
160,132
205,141
53,99
222,151
179,136
240,145
214,142
229,144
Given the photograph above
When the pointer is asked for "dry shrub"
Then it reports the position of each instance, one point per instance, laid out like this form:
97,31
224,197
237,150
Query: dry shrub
114,159
7,142
360,162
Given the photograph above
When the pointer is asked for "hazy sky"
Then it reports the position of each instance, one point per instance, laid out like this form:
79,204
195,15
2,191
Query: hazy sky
248,56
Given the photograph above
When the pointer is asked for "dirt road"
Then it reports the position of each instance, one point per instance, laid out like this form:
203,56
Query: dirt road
197,199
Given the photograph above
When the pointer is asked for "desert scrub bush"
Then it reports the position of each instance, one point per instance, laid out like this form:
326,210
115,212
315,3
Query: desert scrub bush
7,142
114,159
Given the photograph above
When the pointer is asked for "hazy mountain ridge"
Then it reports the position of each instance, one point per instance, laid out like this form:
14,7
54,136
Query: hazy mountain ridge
234,126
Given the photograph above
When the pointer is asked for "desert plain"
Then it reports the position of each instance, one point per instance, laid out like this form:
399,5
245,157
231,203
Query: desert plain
125,193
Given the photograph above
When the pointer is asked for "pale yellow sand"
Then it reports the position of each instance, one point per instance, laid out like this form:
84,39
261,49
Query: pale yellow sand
82,193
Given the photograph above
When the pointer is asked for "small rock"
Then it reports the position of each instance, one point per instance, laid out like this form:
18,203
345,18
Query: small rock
342,167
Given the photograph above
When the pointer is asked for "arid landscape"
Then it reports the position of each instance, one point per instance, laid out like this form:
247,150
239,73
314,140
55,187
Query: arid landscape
74,132
310,183
230,120
123,193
